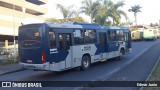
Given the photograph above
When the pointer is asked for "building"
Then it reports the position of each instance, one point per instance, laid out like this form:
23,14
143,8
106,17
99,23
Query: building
13,13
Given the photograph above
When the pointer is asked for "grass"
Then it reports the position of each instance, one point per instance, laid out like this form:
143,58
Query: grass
155,76
7,62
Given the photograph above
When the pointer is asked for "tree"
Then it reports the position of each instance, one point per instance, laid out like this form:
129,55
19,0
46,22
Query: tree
115,12
100,19
53,20
109,10
75,19
66,11
101,16
78,19
90,8
135,9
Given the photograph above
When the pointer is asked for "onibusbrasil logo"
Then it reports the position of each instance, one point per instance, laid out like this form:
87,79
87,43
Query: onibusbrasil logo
20,84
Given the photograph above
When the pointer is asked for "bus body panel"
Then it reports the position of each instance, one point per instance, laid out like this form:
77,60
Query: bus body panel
158,30
30,44
80,50
58,54
29,56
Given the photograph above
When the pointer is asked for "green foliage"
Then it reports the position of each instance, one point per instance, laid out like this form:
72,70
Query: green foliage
100,11
135,9
104,12
90,8
101,20
115,13
76,19
53,20
7,62
67,12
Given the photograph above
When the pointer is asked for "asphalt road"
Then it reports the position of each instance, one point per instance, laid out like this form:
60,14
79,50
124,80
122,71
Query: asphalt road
111,70
137,70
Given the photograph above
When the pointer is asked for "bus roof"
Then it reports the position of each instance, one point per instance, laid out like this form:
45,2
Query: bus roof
74,25
78,25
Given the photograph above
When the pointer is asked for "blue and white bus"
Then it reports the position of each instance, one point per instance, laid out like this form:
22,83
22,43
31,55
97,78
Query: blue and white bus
57,47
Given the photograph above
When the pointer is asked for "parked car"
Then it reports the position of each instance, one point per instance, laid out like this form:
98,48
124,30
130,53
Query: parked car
1,58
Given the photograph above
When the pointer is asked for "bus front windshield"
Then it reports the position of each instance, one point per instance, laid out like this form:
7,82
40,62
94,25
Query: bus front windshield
30,37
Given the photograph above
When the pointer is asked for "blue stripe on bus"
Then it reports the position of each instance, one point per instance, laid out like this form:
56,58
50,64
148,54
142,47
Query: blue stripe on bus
58,57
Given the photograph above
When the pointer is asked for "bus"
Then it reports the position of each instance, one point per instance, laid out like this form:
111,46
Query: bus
137,34
57,47
158,33
150,34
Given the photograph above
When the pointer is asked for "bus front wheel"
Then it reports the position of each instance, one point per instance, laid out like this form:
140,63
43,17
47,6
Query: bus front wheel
85,64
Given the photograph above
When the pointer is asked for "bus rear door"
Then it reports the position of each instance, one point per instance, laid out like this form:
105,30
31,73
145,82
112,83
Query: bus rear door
103,43
112,42
64,40
127,36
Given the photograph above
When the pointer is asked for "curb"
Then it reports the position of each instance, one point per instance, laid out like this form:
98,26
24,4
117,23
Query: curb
151,71
8,72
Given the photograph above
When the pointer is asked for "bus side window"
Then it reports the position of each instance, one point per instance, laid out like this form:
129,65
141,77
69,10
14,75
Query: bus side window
90,36
113,35
52,40
61,42
64,41
120,35
109,35
126,36
78,37
68,41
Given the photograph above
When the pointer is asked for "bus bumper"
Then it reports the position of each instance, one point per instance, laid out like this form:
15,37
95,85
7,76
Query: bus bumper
44,66
128,51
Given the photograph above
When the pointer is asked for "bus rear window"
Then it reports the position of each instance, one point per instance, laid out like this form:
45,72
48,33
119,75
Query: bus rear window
30,37
52,39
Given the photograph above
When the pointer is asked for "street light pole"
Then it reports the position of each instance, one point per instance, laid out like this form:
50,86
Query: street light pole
14,33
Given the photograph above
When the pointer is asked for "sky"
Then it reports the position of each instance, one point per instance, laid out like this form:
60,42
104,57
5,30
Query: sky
150,9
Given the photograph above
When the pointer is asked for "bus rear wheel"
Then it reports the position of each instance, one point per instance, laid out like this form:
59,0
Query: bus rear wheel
85,64
121,54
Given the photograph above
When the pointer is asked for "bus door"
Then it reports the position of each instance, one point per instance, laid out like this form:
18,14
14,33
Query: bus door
112,42
127,37
103,42
64,40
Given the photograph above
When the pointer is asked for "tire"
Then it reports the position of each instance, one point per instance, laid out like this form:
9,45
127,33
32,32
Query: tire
85,63
121,54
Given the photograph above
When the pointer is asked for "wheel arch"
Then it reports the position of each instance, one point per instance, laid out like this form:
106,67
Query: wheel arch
123,50
87,54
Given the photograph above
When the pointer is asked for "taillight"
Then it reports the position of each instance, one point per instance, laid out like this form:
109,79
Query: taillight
120,42
43,57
